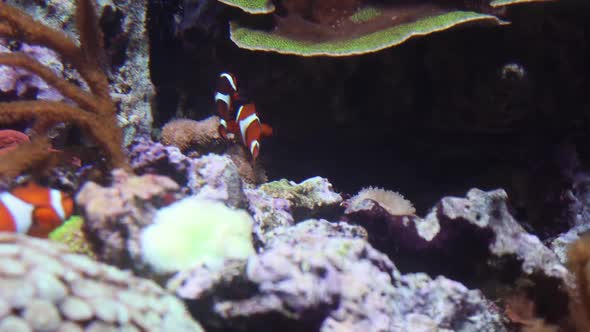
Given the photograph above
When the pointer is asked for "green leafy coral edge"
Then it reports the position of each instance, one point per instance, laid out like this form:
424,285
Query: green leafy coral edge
252,6
501,3
265,41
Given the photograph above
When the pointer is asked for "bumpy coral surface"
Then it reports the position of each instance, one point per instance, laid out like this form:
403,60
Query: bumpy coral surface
307,199
187,133
43,287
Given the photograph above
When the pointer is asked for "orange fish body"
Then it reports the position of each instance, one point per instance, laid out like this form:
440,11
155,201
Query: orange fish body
251,129
244,124
34,210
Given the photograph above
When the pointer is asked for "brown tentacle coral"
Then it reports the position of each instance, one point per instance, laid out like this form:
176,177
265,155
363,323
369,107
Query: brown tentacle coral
95,112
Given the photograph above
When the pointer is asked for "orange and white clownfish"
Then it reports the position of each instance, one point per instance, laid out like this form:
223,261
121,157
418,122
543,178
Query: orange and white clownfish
244,123
226,94
34,210
251,129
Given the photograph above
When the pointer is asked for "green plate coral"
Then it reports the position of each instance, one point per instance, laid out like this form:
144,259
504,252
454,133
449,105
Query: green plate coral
500,3
252,6
283,42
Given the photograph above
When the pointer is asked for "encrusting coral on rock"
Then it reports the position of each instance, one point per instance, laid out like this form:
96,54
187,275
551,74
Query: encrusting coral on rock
94,111
43,287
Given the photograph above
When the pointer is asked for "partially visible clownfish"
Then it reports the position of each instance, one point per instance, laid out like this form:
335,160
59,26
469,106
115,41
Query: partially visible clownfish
226,95
245,122
34,210
251,129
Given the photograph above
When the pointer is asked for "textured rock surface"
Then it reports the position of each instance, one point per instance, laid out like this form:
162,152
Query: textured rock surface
115,215
560,244
127,48
43,287
481,223
489,210
312,229
307,281
269,213
307,199
211,176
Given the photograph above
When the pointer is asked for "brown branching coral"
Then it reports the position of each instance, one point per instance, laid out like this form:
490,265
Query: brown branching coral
93,111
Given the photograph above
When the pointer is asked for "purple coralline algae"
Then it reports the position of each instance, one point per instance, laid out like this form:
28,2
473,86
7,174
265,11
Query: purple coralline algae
283,203
114,216
210,176
328,282
20,82
268,213
43,287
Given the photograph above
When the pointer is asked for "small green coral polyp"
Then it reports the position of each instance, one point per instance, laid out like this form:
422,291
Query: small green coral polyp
71,235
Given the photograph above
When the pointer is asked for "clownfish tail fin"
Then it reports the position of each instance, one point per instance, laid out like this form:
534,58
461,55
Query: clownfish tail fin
266,130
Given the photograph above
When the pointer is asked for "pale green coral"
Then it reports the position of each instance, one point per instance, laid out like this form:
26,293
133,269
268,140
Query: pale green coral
194,231
71,235
260,40
252,6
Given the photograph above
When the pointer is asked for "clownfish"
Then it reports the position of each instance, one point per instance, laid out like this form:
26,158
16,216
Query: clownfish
251,129
244,123
225,96
34,210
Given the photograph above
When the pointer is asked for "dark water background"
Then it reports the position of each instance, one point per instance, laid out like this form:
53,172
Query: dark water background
429,118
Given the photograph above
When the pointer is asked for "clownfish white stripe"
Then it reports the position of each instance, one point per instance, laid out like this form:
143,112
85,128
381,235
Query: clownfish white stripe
239,112
223,97
20,211
55,200
230,80
244,124
253,145
223,123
